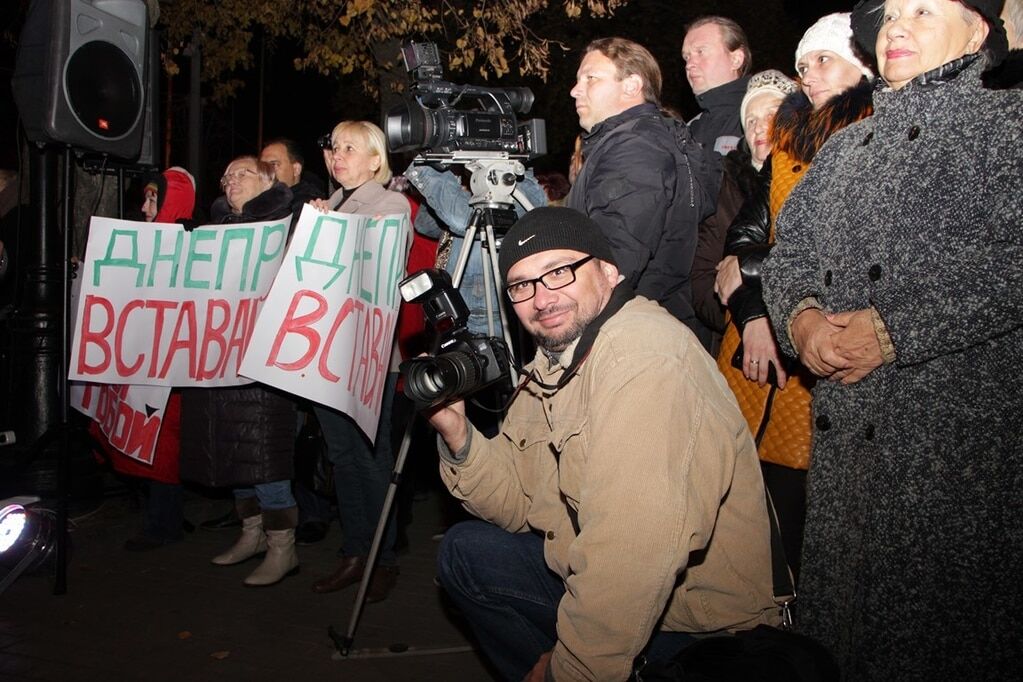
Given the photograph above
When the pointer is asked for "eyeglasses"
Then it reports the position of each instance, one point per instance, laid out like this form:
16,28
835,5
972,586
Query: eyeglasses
558,278
237,176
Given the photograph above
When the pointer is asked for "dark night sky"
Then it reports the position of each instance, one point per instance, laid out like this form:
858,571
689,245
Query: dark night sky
774,28
305,105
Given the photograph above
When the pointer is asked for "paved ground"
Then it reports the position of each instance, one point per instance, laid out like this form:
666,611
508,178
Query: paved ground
169,614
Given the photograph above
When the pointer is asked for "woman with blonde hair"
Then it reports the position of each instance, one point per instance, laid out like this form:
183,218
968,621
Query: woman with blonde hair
357,159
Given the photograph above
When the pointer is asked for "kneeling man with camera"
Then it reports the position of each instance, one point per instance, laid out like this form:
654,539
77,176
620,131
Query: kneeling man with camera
622,504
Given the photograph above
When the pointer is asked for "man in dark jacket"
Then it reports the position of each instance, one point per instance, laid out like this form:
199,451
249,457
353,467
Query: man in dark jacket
643,179
289,165
717,56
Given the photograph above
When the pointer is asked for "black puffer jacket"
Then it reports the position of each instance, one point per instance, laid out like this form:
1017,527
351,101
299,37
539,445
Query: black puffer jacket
238,436
739,180
648,185
748,239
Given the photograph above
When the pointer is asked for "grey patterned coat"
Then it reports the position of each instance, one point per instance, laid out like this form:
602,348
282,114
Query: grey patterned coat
913,557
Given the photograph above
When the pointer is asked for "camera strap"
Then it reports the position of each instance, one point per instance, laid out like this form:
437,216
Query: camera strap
622,294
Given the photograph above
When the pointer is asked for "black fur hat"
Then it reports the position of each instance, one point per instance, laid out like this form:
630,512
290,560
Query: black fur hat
866,21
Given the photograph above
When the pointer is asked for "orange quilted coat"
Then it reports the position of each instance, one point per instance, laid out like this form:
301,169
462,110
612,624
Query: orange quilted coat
797,134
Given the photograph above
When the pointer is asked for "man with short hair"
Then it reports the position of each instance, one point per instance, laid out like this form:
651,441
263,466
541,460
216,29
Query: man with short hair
718,59
622,502
288,163
643,180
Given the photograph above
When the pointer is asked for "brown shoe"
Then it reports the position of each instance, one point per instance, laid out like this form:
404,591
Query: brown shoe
380,585
348,572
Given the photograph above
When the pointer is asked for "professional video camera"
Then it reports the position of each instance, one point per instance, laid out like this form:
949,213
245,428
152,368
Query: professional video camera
464,363
443,118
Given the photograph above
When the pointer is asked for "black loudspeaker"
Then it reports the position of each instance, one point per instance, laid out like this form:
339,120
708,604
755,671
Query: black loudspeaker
149,154
81,72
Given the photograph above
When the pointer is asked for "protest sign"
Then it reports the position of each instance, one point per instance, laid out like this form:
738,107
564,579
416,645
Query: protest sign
165,307
129,416
326,329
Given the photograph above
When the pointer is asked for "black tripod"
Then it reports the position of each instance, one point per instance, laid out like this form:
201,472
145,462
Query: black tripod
493,186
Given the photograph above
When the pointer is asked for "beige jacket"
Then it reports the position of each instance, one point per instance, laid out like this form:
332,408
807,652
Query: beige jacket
648,447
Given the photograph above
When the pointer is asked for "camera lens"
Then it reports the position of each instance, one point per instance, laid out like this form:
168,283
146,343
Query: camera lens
406,127
434,380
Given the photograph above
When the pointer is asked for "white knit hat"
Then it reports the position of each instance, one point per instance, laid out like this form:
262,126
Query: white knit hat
832,32
770,81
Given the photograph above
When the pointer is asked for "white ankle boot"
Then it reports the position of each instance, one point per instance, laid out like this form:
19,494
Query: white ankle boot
281,559
251,543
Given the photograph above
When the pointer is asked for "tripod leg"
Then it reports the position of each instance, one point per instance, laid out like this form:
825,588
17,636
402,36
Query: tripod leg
18,569
492,257
489,280
344,646
463,255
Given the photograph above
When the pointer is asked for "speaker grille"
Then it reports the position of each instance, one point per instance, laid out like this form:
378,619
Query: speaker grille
103,90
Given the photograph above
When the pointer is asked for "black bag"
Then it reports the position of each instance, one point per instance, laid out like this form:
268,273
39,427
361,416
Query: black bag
312,468
763,654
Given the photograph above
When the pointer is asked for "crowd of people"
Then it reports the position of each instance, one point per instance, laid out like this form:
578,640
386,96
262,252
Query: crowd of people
803,302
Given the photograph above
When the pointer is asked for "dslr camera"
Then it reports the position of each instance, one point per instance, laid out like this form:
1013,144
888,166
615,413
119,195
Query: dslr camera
464,363
443,118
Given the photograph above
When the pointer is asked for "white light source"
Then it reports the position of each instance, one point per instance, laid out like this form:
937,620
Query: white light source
12,523
416,285
28,539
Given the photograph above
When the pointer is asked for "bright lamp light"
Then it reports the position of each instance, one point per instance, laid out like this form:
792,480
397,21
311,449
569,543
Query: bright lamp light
28,539
12,523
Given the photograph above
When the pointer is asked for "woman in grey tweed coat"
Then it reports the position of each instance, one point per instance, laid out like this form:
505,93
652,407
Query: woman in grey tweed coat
898,274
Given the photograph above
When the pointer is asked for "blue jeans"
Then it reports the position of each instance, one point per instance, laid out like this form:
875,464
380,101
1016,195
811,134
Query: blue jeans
272,495
501,583
448,202
362,474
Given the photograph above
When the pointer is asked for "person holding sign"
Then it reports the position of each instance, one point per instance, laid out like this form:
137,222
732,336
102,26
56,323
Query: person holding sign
358,162
245,436
167,198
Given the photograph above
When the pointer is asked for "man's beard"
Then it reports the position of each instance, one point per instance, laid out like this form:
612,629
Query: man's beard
557,342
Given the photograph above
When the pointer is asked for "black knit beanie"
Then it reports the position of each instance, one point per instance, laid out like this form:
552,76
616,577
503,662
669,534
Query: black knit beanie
549,228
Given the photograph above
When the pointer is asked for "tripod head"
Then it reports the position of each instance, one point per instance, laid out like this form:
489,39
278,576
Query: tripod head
493,180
